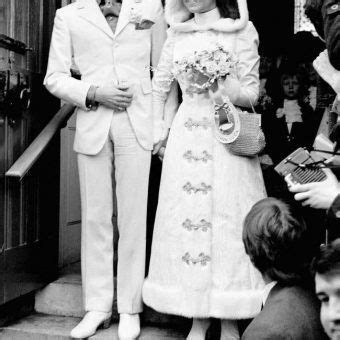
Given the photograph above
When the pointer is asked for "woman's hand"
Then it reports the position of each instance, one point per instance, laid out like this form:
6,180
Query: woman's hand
230,87
222,88
117,98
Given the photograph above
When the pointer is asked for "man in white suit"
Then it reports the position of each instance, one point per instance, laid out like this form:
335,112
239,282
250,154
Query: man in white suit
115,133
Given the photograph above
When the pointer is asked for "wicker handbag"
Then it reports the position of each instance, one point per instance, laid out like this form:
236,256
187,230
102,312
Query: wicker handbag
240,131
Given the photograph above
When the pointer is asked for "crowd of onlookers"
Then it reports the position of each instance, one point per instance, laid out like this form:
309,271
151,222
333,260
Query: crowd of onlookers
293,237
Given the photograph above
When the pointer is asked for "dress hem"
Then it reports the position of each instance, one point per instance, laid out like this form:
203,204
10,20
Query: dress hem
231,305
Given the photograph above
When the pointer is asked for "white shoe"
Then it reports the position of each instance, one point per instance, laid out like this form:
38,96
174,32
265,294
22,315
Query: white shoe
88,326
198,329
129,326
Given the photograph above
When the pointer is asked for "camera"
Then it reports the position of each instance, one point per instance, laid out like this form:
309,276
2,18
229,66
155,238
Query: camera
300,168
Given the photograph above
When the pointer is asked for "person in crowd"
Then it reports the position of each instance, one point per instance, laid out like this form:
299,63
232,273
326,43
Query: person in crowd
292,123
288,124
198,266
325,16
277,242
114,133
326,266
267,67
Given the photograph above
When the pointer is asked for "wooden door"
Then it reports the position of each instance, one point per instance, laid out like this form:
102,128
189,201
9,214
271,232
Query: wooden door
29,207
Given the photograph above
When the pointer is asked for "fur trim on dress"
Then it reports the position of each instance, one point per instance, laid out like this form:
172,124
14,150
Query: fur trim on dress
233,305
177,15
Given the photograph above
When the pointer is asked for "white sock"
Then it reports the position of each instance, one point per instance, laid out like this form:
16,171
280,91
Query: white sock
199,329
229,330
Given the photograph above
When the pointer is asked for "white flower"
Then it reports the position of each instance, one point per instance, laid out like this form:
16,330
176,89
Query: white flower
135,16
212,68
219,55
224,68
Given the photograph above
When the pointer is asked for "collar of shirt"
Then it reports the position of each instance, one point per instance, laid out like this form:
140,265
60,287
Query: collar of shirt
292,111
266,290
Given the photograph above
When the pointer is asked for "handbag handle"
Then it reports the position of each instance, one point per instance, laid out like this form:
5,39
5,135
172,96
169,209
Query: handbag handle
251,104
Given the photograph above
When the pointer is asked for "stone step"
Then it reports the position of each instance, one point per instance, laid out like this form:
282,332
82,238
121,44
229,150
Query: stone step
64,298
49,327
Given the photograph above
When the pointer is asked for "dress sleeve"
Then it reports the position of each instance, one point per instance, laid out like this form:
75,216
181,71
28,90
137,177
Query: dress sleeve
247,42
162,83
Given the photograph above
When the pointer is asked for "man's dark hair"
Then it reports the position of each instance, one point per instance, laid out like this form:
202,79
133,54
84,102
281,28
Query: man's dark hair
327,261
276,242
228,8
314,14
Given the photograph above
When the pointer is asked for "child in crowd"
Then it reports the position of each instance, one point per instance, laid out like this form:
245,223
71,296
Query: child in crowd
292,122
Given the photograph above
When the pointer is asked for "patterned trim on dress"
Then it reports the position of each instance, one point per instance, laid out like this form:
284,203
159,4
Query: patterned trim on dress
204,188
190,123
203,225
202,259
204,158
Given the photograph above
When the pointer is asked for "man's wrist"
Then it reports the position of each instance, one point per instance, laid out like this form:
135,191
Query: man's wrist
91,102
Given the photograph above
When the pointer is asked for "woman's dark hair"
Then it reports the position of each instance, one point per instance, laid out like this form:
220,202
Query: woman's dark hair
228,8
327,261
277,243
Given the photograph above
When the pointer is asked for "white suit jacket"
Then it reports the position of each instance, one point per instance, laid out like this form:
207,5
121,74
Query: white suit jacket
103,58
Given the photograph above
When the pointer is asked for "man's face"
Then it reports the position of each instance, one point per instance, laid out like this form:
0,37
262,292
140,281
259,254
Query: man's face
328,292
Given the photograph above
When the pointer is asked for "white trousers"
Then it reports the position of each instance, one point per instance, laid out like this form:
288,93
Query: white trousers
130,163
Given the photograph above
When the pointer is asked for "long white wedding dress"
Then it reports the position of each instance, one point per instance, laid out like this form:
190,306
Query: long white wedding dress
198,266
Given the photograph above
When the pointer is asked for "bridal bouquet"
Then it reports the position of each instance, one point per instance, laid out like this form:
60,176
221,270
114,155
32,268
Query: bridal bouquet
202,69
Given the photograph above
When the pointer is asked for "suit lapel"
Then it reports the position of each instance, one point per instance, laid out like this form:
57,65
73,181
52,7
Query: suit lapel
124,16
90,11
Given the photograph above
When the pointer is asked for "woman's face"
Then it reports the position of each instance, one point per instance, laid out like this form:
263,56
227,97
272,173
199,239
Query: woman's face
199,6
290,85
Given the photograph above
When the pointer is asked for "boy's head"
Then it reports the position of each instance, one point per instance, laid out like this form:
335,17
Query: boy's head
290,84
276,242
327,284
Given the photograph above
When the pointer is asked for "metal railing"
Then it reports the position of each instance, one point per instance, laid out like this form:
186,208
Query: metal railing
29,157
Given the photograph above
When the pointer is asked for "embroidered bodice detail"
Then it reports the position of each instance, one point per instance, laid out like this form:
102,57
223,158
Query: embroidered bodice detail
203,188
204,157
202,259
191,124
202,225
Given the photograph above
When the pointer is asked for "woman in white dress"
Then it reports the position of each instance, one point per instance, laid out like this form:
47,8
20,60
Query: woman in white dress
199,267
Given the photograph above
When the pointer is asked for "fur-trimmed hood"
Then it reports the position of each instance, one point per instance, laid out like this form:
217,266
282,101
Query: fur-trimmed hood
177,15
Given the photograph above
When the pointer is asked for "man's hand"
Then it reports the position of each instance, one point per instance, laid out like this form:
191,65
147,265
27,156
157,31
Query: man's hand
159,148
117,98
318,195
327,72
